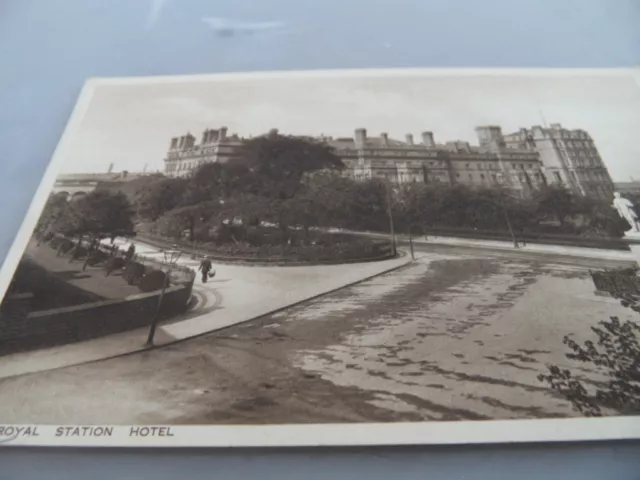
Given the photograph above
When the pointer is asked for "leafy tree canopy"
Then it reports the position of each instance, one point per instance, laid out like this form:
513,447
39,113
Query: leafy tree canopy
99,214
160,196
280,162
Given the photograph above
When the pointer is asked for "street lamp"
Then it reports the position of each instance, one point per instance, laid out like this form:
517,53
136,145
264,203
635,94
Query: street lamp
506,216
392,232
170,259
502,205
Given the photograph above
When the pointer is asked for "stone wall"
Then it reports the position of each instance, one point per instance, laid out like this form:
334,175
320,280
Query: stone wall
20,331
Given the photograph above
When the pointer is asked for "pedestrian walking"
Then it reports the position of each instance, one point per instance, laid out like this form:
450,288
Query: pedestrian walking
206,267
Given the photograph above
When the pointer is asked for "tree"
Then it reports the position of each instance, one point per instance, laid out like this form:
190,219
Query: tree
218,181
557,202
159,197
598,218
98,215
365,206
617,354
56,204
280,162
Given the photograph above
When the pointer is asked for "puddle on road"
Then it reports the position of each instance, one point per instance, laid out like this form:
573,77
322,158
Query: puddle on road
471,351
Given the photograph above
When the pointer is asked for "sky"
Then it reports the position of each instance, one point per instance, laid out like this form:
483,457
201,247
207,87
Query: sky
131,125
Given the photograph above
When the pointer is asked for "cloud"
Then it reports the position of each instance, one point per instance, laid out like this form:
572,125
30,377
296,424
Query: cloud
225,27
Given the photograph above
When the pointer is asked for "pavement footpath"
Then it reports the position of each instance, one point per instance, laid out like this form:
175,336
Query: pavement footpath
579,252
237,294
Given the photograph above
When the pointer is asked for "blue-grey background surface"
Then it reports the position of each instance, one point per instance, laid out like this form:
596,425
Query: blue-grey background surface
48,48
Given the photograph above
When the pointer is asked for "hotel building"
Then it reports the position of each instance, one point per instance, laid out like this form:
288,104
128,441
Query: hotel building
520,162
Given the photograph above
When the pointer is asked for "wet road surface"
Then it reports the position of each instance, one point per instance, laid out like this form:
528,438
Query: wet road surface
448,337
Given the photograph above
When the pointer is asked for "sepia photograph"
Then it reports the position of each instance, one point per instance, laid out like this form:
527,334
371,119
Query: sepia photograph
401,247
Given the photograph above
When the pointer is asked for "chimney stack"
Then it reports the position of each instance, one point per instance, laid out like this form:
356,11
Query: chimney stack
222,133
409,139
385,138
360,137
427,139
189,141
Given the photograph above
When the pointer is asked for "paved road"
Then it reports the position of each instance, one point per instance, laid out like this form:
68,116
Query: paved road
448,337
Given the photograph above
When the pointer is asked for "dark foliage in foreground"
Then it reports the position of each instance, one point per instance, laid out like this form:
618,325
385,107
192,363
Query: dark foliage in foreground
616,353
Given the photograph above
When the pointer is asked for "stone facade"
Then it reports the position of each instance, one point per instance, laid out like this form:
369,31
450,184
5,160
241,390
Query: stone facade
569,157
489,164
185,155
520,162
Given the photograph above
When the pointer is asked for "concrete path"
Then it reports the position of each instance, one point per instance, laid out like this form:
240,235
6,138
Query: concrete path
236,294
92,279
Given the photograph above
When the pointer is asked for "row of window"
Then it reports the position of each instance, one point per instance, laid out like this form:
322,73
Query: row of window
389,152
590,175
580,143
178,167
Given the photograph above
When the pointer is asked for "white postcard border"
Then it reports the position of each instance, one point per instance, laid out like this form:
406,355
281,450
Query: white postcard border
314,435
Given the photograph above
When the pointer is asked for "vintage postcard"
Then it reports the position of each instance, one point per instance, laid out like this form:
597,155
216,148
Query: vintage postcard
331,258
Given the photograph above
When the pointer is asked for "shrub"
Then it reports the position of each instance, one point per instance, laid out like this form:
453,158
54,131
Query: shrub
98,256
114,263
55,242
153,280
80,251
65,245
133,273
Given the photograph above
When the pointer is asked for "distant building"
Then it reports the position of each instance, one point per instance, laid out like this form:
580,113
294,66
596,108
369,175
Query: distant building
569,157
520,162
76,185
632,187
185,155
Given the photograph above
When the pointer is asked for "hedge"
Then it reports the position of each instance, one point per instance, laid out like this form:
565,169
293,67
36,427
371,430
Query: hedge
347,248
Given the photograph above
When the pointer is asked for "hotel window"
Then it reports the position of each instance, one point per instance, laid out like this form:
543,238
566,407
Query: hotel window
467,166
471,176
482,177
513,165
457,175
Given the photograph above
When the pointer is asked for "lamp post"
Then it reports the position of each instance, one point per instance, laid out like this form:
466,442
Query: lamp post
413,257
392,232
502,205
506,216
170,258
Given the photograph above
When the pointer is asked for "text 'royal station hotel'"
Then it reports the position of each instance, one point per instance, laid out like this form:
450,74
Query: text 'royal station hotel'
522,161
